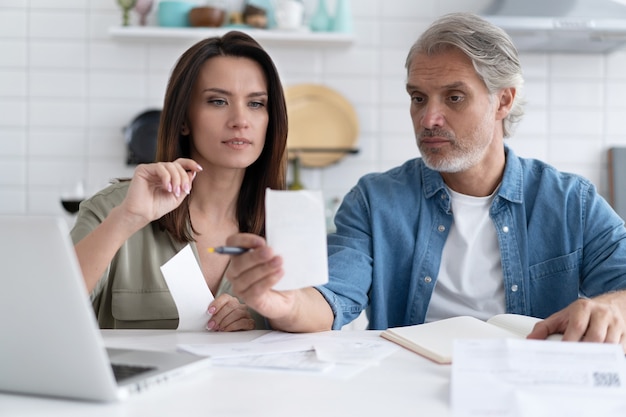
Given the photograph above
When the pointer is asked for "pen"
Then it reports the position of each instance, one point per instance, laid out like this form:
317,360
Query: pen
228,250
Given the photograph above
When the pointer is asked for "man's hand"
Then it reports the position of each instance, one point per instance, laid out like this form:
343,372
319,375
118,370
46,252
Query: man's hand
253,276
599,319
254,273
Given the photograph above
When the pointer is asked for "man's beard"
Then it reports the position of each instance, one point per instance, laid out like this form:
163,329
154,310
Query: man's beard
457,157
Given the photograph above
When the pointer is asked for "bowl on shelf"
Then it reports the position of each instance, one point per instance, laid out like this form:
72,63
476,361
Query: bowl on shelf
207,16
71,205
174,13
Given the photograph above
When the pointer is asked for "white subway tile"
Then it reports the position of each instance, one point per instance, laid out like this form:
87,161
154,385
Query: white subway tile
57,83
57,113
398,149
116,56
12,200
58,54
100,22
107,143
56,172
529,146
612,141
45,24
402,33
58,4
59,142
13,53
12,171
576,122
393,61
449,6
616,95
354,62
577,93
12,141
103,170
615,64
397,120
575,150
99,5
361,90
12,112
296,60
163,57
117,84
536,93
393,92
577,66
156,84
13,83
113,113
406,9
13,4
534,65
13,23
534,122
366,33
45,201
615,125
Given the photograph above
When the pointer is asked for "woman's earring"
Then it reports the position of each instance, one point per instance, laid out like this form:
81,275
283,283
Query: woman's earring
184,130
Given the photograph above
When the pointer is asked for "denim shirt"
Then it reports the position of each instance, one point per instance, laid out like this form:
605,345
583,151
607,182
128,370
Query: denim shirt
559,240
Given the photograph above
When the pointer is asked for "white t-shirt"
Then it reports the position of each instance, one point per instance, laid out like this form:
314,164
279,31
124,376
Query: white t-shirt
470,280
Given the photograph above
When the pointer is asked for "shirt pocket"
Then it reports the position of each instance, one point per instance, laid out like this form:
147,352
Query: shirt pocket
129,305
554,284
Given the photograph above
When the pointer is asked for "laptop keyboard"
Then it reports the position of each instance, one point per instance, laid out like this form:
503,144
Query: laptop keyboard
123,372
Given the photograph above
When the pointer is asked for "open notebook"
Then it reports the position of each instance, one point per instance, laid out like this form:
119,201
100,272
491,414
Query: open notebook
51,344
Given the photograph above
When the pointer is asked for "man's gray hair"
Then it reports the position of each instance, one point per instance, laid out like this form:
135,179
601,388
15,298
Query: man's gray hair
491,50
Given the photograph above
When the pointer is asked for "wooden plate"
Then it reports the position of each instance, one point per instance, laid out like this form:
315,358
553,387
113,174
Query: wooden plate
323,125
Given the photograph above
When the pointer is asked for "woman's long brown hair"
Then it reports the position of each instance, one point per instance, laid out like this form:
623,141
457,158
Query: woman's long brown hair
268,171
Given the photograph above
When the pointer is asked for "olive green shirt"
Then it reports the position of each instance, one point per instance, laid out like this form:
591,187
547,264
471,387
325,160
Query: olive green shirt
132,292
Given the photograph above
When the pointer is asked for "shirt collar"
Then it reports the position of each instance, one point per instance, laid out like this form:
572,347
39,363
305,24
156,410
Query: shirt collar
510,188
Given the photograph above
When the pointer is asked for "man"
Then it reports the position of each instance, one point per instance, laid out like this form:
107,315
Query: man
467,229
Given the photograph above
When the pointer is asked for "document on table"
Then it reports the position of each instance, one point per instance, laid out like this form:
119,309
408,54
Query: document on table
344,355
535,378
295,227
190,291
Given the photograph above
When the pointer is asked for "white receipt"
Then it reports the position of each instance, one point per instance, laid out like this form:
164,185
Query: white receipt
295,226
537,378
190,291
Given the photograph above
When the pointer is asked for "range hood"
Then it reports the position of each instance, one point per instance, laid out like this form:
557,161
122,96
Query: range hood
571,26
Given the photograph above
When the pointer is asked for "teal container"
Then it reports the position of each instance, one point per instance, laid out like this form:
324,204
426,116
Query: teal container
321,20
174,13
342,22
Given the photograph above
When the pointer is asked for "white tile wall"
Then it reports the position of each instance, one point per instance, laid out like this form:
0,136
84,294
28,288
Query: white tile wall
67,89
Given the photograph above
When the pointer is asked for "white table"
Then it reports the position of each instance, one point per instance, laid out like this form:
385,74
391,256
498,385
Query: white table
402,384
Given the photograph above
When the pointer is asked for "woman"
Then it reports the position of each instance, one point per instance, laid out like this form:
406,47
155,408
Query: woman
221,143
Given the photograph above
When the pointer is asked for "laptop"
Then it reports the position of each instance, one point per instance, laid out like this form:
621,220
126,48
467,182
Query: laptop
50,343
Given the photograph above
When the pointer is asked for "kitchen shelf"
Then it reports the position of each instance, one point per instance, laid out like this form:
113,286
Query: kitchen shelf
263,36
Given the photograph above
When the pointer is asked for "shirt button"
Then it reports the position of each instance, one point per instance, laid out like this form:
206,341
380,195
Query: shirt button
441,228
505,229
428,280
514,287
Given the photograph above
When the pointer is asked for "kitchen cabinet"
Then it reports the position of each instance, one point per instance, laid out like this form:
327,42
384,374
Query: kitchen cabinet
265,36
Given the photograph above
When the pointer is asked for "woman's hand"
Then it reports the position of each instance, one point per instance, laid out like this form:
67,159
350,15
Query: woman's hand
229,315
158,188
